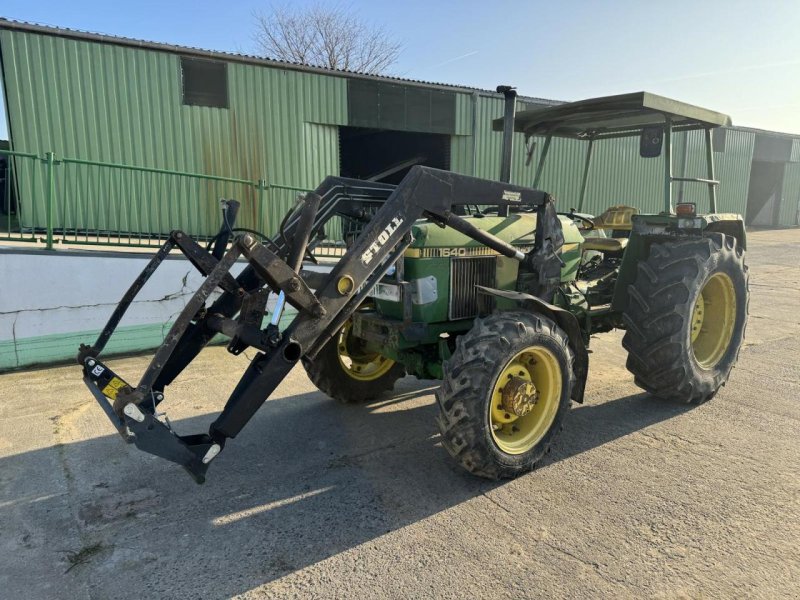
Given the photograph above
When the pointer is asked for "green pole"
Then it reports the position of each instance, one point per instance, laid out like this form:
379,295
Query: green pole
668,164
50,158
712,189
262,188
540,166
586,166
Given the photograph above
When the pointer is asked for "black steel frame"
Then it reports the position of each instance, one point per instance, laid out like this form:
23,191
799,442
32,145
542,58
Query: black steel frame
276,267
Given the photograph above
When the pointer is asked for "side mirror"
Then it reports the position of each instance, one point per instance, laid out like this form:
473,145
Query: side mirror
650,142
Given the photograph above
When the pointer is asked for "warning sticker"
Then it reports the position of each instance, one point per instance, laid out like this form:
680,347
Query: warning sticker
113,387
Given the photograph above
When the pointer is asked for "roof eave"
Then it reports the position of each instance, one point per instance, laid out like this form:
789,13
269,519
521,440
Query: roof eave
605,109
245,59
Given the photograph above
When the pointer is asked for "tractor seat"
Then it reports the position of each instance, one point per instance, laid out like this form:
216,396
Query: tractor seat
605,244
616,218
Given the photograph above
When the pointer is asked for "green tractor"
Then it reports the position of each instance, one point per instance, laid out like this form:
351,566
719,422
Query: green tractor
482,284
510,363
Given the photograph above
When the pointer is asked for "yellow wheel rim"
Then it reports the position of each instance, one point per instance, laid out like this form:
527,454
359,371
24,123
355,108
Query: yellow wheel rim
516,434
713,320
361,366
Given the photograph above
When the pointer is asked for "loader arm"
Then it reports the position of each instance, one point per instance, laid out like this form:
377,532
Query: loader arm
388,213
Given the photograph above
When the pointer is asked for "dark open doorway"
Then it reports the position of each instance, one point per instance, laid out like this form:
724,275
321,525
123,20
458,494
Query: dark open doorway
383,155
764,193
8,200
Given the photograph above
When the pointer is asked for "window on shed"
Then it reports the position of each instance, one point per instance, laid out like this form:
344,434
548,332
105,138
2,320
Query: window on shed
205,82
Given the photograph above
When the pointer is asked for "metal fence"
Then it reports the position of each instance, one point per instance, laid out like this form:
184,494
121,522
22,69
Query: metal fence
53,200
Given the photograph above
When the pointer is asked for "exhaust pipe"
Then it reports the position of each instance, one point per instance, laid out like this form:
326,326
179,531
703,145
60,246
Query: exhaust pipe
509,113
508,130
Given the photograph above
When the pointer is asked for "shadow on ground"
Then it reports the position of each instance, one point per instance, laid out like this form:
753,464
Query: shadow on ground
306,480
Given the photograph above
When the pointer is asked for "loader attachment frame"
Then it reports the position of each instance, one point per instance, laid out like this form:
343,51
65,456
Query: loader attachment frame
388,213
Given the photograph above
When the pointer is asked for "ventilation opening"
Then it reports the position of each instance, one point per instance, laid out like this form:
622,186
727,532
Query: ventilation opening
387,156
205,82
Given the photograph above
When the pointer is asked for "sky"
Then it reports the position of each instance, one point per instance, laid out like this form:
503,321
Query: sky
737,57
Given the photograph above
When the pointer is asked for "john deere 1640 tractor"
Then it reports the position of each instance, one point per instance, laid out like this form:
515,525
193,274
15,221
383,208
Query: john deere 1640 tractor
491,287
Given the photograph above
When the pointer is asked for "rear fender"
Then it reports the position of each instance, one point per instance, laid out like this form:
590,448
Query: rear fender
564,319
650,229
729,224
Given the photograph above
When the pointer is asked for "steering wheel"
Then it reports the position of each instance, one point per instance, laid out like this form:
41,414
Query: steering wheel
589,224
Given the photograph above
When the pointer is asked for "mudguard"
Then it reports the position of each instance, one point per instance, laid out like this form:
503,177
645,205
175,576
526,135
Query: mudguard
564,319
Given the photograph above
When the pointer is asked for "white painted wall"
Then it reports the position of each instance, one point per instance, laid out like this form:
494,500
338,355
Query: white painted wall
64,292
55,292
52,301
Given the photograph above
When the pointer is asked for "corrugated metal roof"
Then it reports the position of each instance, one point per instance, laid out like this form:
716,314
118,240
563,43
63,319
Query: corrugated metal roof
235,57
614,116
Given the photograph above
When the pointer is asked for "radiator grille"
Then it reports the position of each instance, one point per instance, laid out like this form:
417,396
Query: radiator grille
465,274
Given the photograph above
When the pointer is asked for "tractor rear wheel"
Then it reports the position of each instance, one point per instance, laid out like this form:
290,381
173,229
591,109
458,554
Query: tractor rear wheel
686,317
347,372
505,392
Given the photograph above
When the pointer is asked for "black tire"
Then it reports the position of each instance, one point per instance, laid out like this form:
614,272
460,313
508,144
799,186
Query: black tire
660,315
328,374
470,378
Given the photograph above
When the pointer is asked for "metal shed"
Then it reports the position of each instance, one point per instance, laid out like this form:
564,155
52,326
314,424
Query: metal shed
137,137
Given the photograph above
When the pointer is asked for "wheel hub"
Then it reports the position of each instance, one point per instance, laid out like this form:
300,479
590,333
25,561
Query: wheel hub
713,320
358,363
525,399
519,396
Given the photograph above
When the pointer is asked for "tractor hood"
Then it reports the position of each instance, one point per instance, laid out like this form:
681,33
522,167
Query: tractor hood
516,229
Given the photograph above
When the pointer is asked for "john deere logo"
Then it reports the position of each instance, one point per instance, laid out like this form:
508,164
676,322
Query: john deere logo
510,196
383,237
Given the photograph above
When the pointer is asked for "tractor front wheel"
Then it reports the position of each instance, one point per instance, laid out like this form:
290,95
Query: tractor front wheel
504,394
346,371
686,317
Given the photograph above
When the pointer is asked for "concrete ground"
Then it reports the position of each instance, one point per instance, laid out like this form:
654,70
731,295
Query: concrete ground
639,498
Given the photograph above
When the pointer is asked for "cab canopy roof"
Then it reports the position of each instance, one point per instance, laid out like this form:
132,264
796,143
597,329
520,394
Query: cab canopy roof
614,116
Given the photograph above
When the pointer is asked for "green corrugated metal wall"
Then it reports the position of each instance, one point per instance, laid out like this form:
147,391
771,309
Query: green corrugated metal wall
100,101
118,104
732,169
124,105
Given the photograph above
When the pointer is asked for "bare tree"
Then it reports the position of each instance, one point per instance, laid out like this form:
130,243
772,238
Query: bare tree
325,36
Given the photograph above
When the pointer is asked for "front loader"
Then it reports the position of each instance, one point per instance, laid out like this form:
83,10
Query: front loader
482,284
